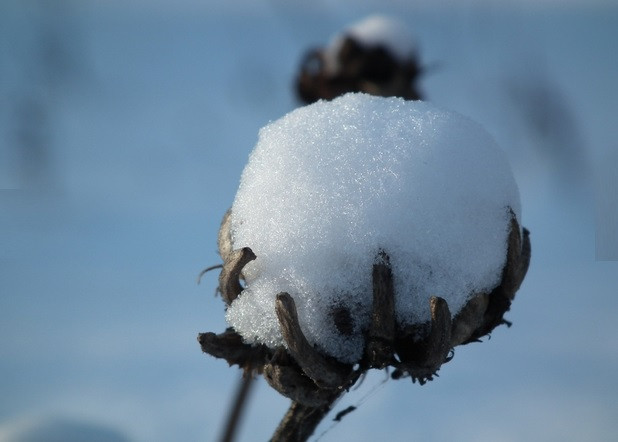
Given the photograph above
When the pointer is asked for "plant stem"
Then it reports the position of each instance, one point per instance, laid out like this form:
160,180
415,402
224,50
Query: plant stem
238,406
300,422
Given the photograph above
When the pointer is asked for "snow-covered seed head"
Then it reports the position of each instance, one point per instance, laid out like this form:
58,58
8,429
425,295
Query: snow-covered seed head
370,233
331,187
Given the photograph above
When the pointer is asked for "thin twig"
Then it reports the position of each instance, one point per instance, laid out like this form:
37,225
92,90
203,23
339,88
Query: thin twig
206,270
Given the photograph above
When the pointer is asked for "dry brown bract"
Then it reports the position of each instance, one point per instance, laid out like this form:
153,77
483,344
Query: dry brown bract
314,380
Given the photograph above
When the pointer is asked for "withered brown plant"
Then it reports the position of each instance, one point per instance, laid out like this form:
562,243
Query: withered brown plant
372,70
313,380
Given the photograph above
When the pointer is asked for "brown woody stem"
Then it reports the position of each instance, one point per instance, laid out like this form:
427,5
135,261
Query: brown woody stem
238,406
300,422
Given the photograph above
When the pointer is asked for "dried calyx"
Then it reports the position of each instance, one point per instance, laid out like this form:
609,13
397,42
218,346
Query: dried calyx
312,379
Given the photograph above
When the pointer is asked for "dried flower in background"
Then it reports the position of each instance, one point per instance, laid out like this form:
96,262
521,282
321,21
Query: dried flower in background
377,56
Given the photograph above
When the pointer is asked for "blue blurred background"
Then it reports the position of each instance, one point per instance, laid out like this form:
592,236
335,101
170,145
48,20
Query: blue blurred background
124,127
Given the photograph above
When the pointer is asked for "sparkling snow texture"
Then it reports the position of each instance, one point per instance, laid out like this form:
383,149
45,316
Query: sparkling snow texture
376,30
330,185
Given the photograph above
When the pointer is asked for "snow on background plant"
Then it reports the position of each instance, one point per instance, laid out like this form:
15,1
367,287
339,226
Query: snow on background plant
377,55
332,184
371,32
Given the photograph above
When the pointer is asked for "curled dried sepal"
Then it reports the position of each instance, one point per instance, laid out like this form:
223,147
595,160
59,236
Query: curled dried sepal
229,278
224,242
469,319
230,346
439,340
233,261
422,358
379,346
284,375
325,372
500,298
224,239
517,259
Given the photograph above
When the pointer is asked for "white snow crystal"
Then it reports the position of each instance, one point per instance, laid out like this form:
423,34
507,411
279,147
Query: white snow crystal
375,30
330,185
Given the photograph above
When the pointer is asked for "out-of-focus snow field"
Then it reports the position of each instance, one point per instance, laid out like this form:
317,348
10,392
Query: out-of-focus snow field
150,122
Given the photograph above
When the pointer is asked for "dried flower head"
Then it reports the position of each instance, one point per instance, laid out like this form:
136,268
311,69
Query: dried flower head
376,56
403,241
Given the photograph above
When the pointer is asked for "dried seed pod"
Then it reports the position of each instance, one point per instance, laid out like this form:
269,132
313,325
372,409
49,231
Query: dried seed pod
343,285
313,381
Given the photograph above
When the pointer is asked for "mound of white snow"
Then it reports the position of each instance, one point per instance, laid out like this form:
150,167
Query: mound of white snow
330,185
